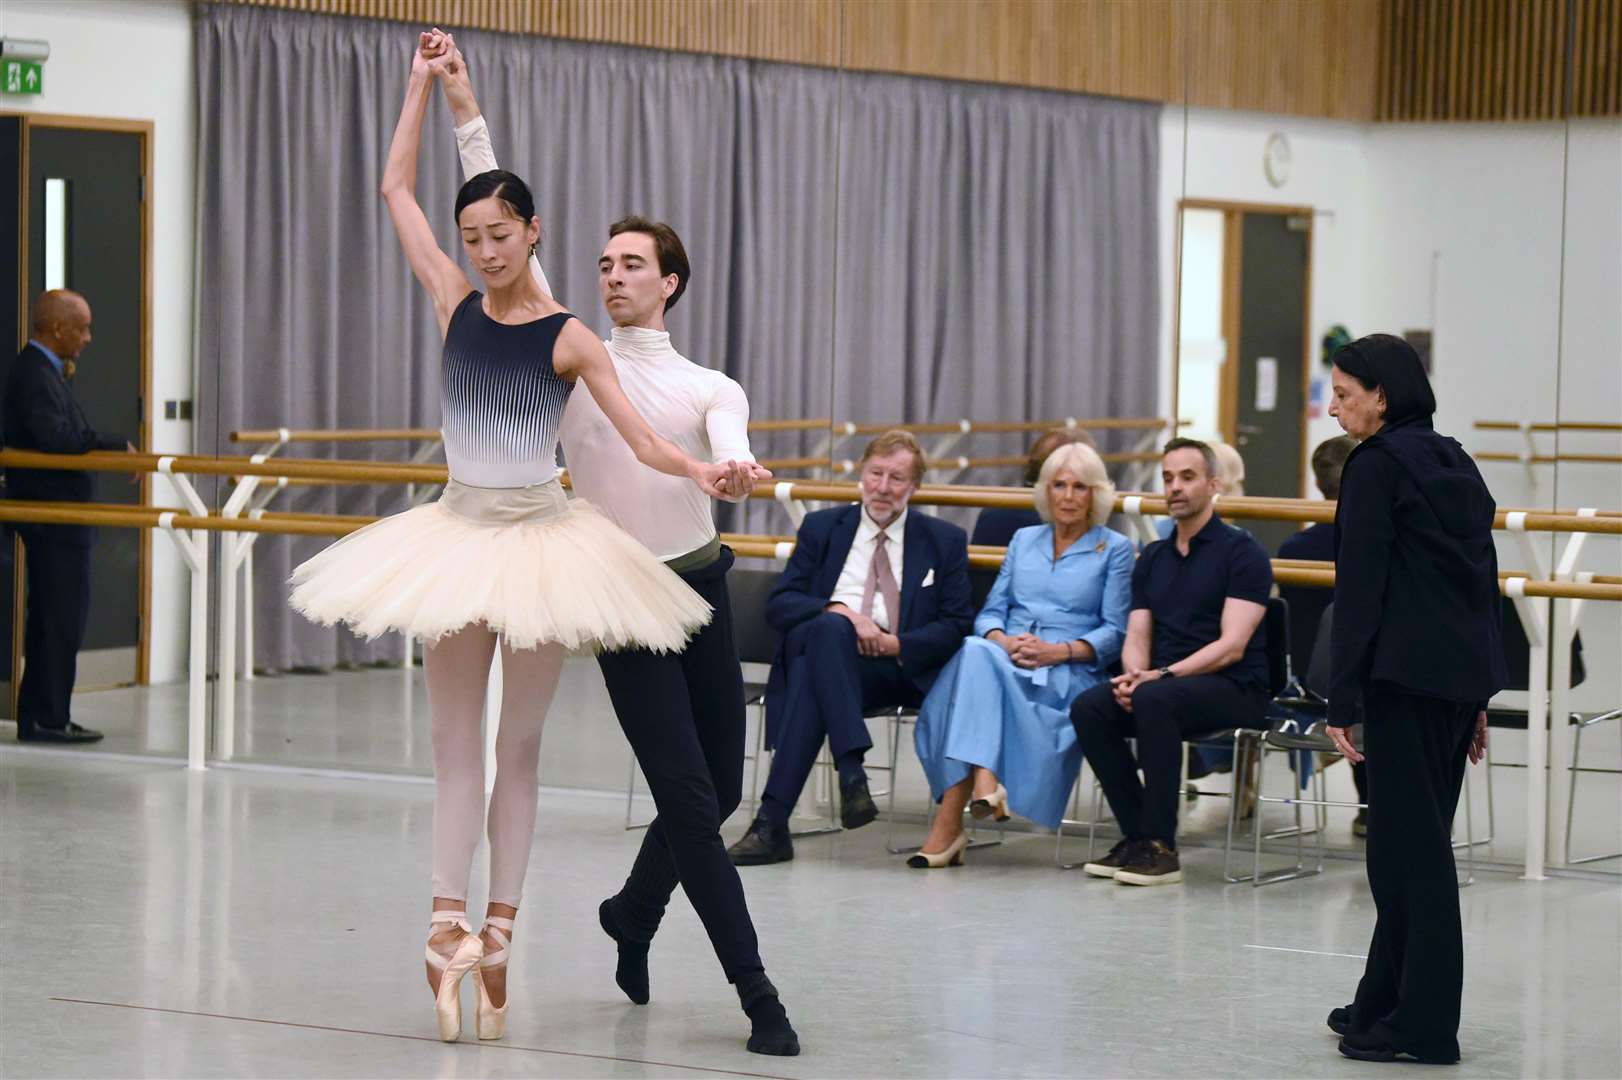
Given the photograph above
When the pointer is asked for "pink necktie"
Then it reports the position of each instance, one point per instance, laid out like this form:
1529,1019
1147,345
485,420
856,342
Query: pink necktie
881,579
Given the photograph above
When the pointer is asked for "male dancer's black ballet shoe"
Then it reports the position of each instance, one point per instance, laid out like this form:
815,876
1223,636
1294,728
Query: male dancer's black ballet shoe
631,973
770,1031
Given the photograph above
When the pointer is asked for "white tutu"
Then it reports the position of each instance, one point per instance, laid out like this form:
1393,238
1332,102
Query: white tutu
529,563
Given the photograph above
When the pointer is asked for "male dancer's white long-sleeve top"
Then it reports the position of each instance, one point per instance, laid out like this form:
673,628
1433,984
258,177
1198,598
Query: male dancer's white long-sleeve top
702,411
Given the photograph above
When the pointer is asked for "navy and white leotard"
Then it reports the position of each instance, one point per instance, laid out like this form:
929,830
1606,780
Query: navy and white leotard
501,398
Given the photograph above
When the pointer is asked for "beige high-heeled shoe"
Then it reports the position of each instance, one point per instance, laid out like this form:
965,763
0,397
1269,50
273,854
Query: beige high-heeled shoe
994,805
492,1021
952,856
452,969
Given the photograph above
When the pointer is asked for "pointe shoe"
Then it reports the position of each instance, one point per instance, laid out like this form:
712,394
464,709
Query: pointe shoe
994,805
952,856
493,1021
452,969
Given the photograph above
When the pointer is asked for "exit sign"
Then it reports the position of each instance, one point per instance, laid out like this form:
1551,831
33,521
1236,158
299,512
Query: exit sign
22,76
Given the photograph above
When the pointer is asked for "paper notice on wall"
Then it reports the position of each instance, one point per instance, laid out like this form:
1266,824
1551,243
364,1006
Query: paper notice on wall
1266,384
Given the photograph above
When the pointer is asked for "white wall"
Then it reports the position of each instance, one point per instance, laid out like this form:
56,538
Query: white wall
133,60
1472,231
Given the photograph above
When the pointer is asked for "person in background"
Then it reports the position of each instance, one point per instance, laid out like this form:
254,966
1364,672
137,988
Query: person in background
1194,662
1051,628
995,526
40,413
1317,543
873,603
1415,656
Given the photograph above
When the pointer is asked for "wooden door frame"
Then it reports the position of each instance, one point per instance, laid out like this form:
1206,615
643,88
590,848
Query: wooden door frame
143,439
1233,212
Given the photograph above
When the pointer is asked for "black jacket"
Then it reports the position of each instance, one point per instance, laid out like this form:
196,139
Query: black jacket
38,412
1416,574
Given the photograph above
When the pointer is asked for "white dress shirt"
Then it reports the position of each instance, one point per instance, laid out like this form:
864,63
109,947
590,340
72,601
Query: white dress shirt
852,582
702,411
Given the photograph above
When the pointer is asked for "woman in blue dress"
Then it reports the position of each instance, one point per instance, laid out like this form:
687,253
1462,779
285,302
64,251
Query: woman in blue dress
994,733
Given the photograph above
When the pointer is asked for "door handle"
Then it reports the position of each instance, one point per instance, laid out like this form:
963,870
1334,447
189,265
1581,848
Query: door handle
1250,429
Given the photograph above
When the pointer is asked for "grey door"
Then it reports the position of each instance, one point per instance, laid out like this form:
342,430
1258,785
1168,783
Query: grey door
104,190
1270,413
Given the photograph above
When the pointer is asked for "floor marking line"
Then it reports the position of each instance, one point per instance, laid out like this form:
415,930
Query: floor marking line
414,1038
1309,952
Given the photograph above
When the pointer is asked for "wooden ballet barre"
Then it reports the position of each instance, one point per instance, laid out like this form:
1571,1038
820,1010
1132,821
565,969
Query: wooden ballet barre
286,435
1546,425
338,435
823,424
1549,459
969,427
109,461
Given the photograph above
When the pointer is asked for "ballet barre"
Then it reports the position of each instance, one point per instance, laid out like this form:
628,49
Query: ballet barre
943,454
1547,425
1532,455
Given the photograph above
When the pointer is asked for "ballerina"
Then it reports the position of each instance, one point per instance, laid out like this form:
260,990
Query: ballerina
503,558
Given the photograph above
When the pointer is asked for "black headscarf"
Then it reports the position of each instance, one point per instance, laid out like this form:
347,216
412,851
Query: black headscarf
1389,363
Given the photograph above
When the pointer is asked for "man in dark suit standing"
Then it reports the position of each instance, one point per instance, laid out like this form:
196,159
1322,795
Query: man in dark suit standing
39,413
873,603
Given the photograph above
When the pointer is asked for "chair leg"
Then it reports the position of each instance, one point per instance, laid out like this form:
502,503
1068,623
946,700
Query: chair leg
1571,806
630,791
1238,775
760,752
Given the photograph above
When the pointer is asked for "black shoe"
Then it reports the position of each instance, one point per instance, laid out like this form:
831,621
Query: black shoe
1151,863
70,733
856,806
1360,824
631,970
1109,864
770,1032
1374,1045
762,844
1340,1020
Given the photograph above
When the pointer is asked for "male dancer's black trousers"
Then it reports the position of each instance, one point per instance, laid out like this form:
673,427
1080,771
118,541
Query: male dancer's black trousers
1416,751
684,717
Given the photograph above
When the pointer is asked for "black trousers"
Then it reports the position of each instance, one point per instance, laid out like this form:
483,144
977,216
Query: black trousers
1417,750
830,687
684,717
1164,713
58,612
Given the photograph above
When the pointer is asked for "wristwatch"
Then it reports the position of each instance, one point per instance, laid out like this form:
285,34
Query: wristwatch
1167,673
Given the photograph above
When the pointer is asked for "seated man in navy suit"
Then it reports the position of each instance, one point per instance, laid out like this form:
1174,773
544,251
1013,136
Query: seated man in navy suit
874,602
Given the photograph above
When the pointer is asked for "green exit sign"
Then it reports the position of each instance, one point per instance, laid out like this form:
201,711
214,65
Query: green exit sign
22,76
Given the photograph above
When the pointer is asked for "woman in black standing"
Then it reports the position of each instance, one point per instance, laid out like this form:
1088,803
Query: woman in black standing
1416,655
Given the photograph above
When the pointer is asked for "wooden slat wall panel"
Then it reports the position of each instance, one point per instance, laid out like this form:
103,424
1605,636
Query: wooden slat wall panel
1309,57
1347,59
1275,55
1501,59
797,31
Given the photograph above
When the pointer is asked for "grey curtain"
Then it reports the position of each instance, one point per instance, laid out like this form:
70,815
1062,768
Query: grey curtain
863,247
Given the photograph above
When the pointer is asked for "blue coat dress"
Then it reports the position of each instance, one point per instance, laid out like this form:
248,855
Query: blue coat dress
985,710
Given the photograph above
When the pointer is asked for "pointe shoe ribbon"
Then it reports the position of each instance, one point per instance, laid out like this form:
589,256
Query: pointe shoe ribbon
492,1022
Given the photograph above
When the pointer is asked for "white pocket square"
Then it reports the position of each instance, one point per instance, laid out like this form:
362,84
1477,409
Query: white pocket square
929,579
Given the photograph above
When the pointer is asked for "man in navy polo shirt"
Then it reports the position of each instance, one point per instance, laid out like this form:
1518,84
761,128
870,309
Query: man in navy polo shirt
1194,662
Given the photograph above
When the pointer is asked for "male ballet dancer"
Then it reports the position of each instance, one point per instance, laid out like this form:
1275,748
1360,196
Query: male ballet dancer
682,713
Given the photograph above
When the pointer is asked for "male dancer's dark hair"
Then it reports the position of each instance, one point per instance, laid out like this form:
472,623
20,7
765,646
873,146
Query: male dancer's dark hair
666,245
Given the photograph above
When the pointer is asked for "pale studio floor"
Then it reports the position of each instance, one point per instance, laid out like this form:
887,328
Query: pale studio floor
268,922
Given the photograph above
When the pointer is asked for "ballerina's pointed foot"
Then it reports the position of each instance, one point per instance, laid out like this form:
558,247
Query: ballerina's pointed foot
453,951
